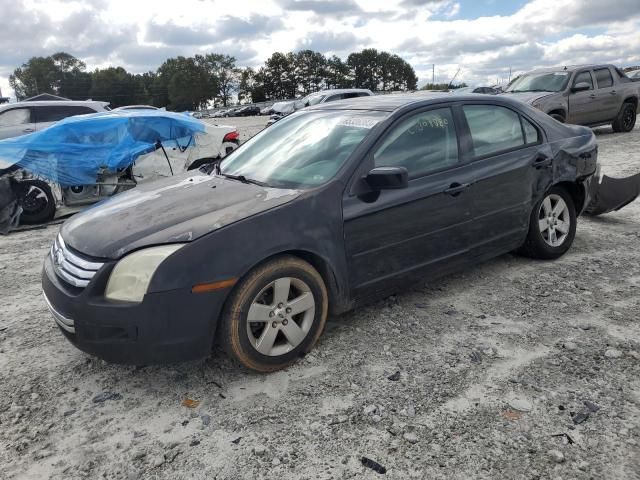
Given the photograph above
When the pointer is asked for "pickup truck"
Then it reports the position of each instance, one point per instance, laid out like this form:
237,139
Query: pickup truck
590,95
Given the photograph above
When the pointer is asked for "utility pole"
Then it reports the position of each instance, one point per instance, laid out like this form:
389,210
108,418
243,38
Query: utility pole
509,75
433,74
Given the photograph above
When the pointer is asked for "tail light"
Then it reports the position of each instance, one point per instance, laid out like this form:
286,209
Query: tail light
231,137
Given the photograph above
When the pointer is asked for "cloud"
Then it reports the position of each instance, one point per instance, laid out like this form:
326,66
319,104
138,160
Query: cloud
224,29
322,7
141,35
332,42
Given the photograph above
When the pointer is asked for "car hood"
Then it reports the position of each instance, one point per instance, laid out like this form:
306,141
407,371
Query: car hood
528,97
174,210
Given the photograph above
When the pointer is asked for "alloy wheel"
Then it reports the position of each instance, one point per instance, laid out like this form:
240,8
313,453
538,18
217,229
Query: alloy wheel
35,200
280,316
554,220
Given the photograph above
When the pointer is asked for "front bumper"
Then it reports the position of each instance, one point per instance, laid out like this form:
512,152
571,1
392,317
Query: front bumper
170,326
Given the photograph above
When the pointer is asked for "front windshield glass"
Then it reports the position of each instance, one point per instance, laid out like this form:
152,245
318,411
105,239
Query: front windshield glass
302,150
540,82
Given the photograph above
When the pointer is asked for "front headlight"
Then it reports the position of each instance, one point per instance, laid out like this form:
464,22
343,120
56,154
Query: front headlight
130,278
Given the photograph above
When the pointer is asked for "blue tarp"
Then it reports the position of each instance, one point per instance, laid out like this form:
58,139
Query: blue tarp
73,151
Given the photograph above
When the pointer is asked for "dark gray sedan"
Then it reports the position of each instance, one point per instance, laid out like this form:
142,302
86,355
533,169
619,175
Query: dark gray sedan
329,208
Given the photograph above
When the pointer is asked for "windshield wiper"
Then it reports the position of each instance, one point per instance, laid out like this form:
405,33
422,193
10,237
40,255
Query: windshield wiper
240,178
532,90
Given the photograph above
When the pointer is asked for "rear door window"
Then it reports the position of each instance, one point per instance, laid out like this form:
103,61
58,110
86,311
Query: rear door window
422,143
603,77
584,77
531,133
493,129
16,116
55,113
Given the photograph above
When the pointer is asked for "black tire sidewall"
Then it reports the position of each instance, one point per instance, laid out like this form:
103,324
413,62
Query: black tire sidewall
46,213
557,117
537,245
247,291
627,106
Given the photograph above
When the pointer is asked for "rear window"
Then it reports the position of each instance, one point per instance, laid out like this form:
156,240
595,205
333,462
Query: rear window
56,113
493,129
603,77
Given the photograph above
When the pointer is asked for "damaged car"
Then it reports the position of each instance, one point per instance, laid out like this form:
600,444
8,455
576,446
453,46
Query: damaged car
84,159
331,207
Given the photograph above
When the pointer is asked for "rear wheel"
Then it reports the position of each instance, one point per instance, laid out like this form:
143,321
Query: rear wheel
626,119
275,314
37,202
552,226
557,116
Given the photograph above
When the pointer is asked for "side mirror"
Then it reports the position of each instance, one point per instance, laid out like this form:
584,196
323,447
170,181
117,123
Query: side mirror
581,87
387,178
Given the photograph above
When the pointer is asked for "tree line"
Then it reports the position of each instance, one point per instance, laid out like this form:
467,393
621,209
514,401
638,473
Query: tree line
192,83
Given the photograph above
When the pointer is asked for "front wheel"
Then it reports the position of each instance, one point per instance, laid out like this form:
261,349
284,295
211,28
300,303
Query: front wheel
275,314
37,202
552,226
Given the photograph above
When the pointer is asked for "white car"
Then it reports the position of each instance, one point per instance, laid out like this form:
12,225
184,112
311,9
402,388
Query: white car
42,200
27,117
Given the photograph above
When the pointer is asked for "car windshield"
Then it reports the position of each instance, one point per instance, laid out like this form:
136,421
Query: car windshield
540,82
305,149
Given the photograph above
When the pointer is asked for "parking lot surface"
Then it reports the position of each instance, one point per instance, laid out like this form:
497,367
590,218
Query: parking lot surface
513,369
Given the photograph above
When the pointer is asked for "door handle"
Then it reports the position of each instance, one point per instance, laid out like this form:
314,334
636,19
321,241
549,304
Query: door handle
592,95
456,188
542,161
613,92
28,130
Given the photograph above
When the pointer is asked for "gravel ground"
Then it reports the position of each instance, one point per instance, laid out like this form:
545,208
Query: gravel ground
513,369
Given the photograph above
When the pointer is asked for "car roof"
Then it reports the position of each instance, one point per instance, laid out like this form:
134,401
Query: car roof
566,68
392,102
384,103
333,91
53,103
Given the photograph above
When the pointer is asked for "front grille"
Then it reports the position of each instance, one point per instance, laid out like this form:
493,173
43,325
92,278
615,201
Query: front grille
70,267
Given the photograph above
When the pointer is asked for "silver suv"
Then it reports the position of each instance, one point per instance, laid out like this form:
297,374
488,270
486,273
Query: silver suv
25,117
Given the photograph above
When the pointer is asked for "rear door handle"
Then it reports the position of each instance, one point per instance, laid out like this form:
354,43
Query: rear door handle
28,130
542,161
592,96
613,92
456,188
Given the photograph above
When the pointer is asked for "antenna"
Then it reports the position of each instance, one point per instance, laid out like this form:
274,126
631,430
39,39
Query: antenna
454,77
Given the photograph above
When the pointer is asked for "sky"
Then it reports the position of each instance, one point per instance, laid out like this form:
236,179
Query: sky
482,40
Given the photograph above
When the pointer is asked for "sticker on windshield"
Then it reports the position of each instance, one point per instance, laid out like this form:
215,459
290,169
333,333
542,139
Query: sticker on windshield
358,122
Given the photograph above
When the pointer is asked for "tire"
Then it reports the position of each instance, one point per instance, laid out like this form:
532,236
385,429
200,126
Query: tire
540,243
37,202
557,116
626,119
286,335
